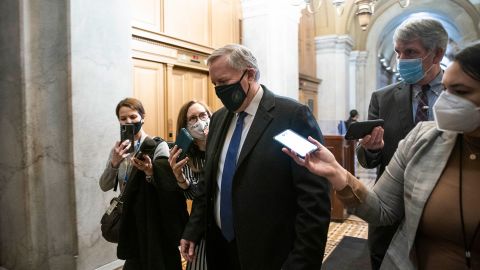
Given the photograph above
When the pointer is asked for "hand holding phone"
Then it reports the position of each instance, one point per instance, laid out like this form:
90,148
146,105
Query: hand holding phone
146,148
295,142
184,141
358,130
127,133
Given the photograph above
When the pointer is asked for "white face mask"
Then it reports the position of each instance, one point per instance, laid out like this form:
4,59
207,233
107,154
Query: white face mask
197,130
455,113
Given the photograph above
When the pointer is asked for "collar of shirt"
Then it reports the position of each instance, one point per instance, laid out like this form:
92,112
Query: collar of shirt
252,108
435,85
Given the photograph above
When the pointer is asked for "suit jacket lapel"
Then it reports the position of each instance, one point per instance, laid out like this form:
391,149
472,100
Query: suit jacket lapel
404,104
215,144
259,124
427,174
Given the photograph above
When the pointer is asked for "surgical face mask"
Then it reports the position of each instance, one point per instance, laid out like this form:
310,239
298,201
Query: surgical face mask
137,126
232,95
197,130
455,113
411,70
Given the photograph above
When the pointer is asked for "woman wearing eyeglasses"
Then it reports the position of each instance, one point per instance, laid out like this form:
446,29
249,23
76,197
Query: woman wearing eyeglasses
195,117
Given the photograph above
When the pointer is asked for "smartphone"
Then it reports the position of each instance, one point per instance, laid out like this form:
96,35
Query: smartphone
184,141
146,148
127,133
359,130
295,142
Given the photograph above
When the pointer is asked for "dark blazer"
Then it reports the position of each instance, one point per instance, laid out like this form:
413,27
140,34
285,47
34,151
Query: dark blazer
153,218
393,104
281,211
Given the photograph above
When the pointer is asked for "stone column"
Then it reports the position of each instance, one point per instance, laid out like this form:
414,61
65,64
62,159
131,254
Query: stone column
65,65
333,54
270,30
37,202
356,93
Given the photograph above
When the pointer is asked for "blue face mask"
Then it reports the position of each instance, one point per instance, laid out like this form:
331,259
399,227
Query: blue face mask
411,70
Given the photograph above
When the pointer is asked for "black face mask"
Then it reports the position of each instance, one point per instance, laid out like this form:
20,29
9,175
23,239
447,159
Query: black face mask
232,95
137,126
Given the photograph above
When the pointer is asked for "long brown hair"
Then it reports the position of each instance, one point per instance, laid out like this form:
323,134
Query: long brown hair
195,155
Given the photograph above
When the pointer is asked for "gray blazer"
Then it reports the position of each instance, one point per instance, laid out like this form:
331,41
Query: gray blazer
403,189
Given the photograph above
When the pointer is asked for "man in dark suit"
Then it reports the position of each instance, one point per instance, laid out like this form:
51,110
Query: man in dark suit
264,211
420,45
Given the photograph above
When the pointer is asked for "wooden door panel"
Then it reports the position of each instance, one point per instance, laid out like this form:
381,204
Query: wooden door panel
149,88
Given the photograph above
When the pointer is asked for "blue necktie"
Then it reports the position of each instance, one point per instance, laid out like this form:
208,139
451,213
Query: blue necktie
229,167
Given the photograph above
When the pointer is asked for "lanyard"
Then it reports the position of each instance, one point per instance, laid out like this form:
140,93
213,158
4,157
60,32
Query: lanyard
128,164
467,246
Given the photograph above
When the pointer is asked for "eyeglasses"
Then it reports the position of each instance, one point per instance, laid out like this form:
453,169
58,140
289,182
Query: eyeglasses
194,118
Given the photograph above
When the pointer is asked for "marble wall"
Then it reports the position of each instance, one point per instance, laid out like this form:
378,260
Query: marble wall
65,65
333,56
270,30
101,75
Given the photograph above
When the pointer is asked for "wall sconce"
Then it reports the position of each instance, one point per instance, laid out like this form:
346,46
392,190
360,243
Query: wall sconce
311,8
404,3
365,10
338,4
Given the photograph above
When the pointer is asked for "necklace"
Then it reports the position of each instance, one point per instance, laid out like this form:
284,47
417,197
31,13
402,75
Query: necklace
472,154
467,246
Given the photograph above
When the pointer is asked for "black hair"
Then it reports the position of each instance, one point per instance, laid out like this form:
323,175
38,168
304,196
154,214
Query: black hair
469,60
353,113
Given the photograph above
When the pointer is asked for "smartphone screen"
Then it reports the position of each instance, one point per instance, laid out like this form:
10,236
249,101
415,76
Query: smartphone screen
127,133
295,142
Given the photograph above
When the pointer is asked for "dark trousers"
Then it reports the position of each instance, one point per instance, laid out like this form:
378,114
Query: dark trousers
131,264
379,238
221,254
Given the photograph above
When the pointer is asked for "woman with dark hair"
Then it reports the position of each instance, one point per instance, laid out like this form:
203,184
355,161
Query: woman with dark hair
352,118
153,216
431,184
195,117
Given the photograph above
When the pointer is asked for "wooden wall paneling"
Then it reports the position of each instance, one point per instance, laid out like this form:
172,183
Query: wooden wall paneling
306,36
184,85
334,144
146,14
213,101
225,29
188,20
199,89
149,87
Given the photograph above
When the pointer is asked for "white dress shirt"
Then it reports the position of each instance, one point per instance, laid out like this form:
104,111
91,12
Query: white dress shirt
251,110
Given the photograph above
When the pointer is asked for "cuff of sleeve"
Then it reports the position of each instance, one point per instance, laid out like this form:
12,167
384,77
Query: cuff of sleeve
354,193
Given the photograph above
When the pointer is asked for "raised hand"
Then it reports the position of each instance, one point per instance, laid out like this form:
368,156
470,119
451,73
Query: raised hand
177,165
322,163
144,164
120,152
373,141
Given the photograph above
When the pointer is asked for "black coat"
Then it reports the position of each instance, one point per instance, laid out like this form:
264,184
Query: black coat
154,215
281,211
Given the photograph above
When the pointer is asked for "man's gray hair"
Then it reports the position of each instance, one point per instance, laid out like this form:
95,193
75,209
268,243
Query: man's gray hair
238,57
430,32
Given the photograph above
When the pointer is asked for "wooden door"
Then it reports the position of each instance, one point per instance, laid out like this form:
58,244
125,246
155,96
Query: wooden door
149,88
185,85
